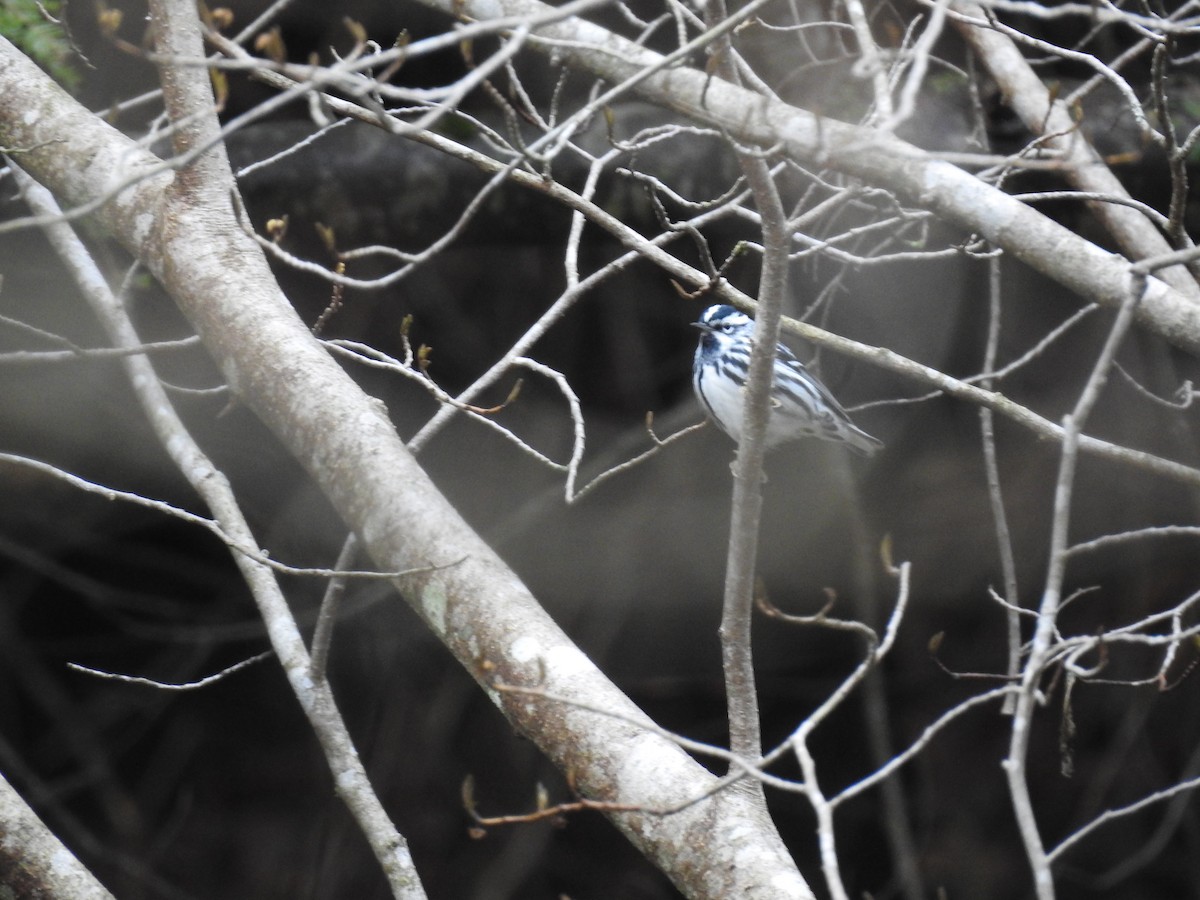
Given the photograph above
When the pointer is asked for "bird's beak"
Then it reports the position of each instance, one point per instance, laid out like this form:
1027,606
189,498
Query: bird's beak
703,326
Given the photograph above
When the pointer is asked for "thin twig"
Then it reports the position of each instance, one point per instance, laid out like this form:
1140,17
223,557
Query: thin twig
174,686
1008,565
1042,644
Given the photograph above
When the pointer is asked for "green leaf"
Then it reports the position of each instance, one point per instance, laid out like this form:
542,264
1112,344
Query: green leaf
43,41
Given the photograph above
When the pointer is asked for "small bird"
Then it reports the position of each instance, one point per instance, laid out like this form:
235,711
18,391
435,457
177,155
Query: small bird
800,405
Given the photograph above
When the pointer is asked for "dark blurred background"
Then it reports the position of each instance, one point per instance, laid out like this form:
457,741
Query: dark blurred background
223,793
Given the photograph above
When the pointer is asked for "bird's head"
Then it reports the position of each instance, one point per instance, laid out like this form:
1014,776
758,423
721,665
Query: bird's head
723,320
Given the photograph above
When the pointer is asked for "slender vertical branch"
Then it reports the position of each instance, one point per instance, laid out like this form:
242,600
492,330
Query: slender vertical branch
737,613
1176,156
871,61
330,605
189,101
1042,644
1008,565
824,807
919,57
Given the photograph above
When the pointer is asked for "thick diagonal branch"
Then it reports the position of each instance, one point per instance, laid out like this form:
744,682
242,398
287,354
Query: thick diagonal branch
473,602
1044,115
914,175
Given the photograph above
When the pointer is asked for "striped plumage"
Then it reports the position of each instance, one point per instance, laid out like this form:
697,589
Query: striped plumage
800,405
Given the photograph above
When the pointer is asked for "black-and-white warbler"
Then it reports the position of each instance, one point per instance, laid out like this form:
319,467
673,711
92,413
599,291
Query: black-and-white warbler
800,405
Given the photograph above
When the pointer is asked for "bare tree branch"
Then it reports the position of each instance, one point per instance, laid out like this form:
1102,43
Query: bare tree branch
914,174
653,250
1042,114
315,697
33,862
478,608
